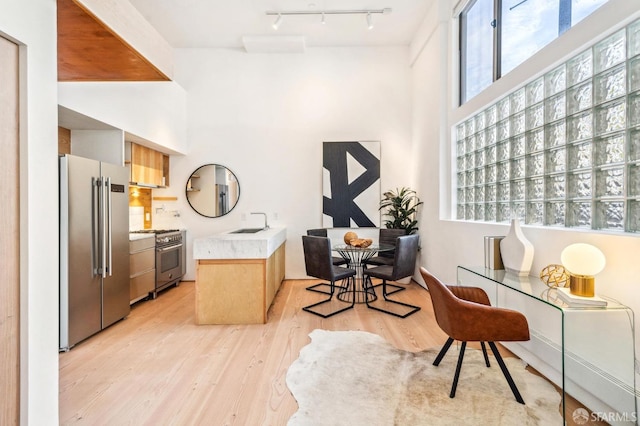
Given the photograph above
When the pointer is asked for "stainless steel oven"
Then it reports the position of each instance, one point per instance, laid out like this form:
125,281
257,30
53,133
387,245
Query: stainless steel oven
169,259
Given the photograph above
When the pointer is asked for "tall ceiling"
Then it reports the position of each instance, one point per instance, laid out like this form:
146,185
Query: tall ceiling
88,50
223,23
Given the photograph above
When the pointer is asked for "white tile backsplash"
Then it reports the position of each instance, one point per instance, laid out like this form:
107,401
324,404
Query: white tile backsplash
136,218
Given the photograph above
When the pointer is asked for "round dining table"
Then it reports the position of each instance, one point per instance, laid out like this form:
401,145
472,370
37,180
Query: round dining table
356,256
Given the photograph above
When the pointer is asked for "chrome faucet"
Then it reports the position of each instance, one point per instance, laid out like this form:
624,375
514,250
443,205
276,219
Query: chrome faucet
266,225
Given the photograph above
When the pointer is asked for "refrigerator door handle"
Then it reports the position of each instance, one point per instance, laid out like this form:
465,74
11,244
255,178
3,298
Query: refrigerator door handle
103,231
95,226
109,235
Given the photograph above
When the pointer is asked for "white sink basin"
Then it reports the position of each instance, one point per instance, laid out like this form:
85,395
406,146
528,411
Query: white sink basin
246,231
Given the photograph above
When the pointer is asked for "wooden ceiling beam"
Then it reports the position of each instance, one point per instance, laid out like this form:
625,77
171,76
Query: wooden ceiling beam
90,51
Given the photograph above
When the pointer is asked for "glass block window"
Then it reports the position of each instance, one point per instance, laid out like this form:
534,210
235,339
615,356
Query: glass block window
564,150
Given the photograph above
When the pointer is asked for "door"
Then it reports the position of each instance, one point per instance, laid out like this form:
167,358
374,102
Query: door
80,280
115,285
10,236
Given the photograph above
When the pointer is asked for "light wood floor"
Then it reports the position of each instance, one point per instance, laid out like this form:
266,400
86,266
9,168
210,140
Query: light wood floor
158,367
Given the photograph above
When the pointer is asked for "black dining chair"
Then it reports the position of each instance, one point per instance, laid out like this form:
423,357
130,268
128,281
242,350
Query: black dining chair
318,264
386,237
404,263
322,232
324,288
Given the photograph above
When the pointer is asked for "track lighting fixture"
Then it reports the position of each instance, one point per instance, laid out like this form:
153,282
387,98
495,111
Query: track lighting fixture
367,12
277,22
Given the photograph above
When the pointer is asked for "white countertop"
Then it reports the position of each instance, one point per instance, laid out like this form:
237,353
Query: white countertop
133,236
226,245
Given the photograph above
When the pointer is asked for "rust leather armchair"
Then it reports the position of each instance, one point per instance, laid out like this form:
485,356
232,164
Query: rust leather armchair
466,315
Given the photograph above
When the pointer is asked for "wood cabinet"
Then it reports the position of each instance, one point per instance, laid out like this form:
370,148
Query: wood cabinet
274,276
148,166
64,141
237,291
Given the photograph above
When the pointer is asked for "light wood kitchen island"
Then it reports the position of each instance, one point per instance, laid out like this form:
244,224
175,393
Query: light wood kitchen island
238,275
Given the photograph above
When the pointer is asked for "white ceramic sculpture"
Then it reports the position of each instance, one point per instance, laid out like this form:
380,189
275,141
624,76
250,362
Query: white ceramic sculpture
516,250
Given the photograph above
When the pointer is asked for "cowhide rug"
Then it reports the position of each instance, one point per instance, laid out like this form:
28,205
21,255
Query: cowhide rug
356,378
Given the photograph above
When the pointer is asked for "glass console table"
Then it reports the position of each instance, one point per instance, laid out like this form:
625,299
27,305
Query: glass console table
587,351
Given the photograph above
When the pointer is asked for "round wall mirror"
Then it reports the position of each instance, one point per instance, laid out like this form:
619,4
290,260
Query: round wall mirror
212,190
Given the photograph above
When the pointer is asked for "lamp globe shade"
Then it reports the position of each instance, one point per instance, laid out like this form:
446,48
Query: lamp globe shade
583,259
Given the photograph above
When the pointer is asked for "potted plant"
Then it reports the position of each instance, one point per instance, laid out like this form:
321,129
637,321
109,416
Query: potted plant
401,207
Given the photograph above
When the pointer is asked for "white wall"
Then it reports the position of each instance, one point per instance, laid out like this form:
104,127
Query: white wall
448,243
155,111
430,106
265,116
100,145
32,24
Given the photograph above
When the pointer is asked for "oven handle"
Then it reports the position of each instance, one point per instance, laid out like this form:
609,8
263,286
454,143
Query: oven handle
168,248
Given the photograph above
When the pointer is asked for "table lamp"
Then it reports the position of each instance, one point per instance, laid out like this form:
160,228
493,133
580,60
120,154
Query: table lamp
583,261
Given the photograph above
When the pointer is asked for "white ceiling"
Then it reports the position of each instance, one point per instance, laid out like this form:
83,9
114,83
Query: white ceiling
223,23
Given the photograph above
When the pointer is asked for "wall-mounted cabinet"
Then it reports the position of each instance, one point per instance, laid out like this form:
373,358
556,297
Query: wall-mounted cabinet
148,166
64,141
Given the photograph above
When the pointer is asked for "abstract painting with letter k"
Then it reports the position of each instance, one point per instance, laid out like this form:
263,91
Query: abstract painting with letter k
350,184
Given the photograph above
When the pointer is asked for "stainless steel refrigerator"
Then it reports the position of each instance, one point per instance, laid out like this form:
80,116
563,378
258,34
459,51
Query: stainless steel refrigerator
94,247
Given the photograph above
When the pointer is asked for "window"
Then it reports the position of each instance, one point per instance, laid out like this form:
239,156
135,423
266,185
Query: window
477,49
498,35
564,149
526,27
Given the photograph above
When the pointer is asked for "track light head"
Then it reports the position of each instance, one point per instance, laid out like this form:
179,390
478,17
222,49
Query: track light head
368,12
277,22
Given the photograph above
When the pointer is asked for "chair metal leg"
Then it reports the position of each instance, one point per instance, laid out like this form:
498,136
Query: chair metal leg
397,288
316,288
369,289
484,352
443,351
505,371
385,294
322,288
458,368
322,302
